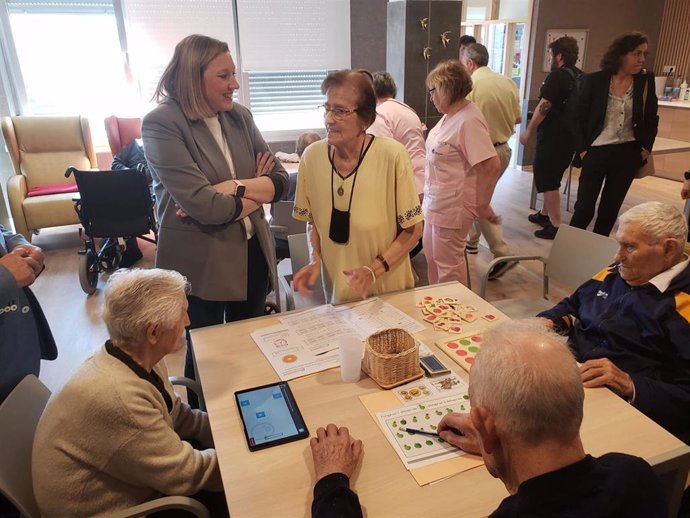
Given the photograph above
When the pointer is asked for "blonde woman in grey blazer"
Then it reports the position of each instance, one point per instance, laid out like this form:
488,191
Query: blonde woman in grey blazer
212,172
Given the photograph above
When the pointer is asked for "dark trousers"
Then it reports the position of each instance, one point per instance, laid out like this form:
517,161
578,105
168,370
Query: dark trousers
614,167
204,313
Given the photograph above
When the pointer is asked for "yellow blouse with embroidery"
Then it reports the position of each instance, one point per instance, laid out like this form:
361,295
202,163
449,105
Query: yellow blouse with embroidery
384,200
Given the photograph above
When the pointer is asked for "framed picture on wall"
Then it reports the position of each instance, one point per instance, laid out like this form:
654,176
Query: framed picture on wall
579,34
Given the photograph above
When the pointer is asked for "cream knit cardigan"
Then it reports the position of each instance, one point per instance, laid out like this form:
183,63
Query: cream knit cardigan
106,441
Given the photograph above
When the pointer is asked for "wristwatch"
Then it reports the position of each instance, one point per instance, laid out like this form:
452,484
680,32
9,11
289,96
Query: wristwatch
239,189
687,174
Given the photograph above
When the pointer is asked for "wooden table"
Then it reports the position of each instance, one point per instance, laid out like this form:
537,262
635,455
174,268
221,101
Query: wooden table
278,481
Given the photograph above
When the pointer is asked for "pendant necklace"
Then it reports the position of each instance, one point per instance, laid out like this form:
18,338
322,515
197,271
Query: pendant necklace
341,190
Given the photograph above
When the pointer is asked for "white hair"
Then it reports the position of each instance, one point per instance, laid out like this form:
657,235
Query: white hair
527,377
136,298
658,221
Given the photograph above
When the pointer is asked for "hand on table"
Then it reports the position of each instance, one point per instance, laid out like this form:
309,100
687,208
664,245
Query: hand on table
334,451
454,422
603,373
306,278
359,280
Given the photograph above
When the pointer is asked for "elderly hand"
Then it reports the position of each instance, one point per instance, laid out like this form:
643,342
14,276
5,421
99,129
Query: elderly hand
360,281
455,422
603,373
31,252
22,268
685,191
264,163
305,279
334,451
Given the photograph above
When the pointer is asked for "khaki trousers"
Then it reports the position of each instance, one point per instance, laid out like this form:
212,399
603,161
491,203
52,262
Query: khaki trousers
492,232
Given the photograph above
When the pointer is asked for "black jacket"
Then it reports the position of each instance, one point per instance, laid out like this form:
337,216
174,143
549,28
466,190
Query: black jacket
593,97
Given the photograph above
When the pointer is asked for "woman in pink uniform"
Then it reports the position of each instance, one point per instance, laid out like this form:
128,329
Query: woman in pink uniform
461,172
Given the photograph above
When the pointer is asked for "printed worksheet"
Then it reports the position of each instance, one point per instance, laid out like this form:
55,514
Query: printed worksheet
375,314
414,449
291,356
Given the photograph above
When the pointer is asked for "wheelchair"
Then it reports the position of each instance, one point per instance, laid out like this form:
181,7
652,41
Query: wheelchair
113,206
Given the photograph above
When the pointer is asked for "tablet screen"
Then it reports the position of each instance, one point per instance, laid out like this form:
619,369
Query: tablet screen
270,416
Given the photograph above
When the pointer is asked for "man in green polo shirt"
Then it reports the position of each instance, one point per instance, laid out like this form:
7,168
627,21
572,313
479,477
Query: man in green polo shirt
497,97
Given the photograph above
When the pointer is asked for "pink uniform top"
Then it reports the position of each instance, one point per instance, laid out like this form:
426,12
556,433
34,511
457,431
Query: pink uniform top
400,122
453,147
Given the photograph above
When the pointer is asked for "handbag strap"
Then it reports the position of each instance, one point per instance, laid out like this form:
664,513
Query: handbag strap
644,97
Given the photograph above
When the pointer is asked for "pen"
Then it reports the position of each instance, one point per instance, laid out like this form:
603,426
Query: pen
434,434
324,352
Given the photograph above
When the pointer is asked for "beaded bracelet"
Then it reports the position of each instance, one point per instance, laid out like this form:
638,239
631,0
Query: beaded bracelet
383,262
371,271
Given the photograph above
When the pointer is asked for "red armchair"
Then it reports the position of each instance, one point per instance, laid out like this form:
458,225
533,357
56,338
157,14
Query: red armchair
121,131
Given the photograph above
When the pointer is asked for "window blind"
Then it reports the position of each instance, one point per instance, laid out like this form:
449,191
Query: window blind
60,7
285,91
295,35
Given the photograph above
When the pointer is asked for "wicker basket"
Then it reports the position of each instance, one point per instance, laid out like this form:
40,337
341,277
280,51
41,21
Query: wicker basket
391,358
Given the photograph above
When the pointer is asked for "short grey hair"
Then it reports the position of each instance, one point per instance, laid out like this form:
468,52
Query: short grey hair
527,377
658,221
305,140
477,53
136,298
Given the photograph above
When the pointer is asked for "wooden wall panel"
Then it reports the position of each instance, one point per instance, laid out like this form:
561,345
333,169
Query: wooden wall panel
673,47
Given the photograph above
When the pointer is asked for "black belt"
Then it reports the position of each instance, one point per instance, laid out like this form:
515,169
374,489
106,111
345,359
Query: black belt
496,144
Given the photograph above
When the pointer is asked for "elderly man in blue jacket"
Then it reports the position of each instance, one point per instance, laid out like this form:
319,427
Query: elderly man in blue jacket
630,324
25,336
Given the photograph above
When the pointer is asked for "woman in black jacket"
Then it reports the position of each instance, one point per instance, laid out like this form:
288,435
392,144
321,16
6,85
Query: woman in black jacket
615,126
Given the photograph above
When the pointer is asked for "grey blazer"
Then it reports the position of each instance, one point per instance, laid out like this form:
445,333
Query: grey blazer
210,246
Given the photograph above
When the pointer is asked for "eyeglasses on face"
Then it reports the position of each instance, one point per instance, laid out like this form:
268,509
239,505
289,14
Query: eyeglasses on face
337,113
431,91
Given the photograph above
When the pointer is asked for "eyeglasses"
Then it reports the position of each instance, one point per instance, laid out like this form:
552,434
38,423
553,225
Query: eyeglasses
431,91
338,113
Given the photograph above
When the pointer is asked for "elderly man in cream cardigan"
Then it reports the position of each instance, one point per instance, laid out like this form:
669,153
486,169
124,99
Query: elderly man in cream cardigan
117,435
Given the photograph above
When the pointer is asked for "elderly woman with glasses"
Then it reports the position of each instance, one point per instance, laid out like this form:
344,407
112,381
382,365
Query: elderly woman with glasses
462,169
116,435
212,174
358,197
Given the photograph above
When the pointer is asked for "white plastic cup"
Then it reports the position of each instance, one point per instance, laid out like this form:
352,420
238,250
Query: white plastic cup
350,358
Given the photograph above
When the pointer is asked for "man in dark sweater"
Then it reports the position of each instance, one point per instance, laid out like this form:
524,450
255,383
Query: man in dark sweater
630,324
527,405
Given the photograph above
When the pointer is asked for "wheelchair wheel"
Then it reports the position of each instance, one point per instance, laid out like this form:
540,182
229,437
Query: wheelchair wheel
88,272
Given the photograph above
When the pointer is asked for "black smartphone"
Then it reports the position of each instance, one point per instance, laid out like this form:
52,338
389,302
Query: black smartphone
433,366
270,416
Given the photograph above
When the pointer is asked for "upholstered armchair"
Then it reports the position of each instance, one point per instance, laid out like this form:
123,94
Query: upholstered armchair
41,149
121,131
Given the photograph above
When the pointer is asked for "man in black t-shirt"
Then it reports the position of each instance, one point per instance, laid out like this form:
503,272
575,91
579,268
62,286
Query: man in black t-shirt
555,146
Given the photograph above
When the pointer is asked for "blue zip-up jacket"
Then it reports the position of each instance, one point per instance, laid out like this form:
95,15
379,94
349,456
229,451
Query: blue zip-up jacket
25,336
644,332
